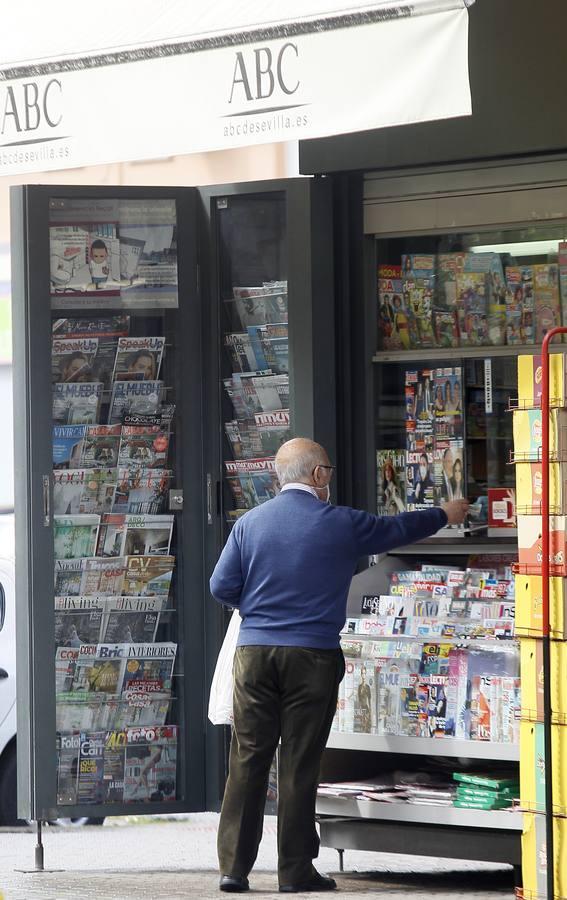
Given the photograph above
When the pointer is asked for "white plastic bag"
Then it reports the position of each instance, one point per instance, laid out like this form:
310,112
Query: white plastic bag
220,698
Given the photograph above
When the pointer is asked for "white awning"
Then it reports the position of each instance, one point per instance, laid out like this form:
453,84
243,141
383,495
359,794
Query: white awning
125,80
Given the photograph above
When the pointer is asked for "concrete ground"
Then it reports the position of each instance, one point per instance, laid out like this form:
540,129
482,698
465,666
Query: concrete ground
165,859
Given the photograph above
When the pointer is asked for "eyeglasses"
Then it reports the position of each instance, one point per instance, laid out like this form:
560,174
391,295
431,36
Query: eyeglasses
321,466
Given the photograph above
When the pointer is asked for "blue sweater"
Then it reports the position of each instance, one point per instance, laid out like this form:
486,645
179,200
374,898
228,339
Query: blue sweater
288,564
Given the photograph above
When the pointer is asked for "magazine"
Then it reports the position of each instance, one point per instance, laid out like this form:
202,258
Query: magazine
234,438
84,257
148,576
78,491
520,305
102,576
77,403
91,767
68,748
270,345
129,535
151,764
68,576
138,358
143,447
391,332
68,441
131,620
114,759
100,668
100,446
258,476
148,668
134,397
273,430
546,299
262,304
78,620
72,359
75,536
240,350
418,301
141,491
148,253
65,662
106,330
391,477
472,308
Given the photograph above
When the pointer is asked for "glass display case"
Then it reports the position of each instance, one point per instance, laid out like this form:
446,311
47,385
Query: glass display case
109,369
154,382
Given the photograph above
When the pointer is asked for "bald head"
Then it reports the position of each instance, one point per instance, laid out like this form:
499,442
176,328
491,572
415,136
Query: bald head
296,460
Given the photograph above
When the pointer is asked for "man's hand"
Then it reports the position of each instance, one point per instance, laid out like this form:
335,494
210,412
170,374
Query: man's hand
456,511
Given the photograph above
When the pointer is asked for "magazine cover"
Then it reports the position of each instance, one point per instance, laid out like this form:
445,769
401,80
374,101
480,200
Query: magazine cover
77,403
364,697
137,709
100,446
129,535
546,299
114,759
100,668
67,576
274,347
420,480
520,305
448,266
446,328
138,358
148,576
84,257
240,351
150,771
72,359
134,397
448,467
148,667
262,474
78,491
143,446
74,536
130,620
448,403
91,767
234,438
389,304
148,253
232,479
472,308
392,676
65,662
418,301
68,446
102,576
68,748
78,620
106,330
391,478
141,491
273,430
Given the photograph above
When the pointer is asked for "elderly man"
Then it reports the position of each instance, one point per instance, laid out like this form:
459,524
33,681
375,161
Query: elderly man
287,567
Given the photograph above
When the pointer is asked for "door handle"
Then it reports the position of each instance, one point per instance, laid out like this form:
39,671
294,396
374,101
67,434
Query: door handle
3,673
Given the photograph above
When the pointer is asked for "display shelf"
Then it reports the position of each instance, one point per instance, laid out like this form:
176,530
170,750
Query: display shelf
454,353
448,747
499,820
454,548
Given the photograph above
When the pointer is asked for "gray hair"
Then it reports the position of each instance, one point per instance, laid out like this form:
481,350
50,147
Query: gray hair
300,467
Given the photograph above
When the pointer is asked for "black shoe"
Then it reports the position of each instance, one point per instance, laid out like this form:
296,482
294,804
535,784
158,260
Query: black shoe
317,882
233,884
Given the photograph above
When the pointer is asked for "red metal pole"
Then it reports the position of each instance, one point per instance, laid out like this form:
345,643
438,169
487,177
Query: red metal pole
545,575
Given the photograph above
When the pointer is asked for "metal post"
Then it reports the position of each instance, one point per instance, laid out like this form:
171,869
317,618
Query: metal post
39,849
341,860
545,575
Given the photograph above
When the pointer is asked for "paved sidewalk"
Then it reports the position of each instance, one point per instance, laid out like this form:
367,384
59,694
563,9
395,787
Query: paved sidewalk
167,860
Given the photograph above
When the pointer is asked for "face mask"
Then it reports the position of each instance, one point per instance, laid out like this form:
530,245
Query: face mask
423,471
328,494
324,494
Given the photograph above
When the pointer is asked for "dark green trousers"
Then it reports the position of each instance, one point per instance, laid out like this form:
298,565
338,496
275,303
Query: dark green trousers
287,693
